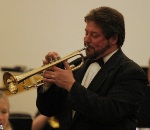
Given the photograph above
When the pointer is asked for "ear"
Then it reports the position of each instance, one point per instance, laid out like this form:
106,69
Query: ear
114,39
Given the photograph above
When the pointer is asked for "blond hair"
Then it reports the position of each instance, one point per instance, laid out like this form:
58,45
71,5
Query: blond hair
3,98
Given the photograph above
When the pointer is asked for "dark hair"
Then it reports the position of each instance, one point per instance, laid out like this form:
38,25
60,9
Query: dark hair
110,20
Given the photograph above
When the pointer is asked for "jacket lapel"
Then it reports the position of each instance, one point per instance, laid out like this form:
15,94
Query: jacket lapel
98,80
80,73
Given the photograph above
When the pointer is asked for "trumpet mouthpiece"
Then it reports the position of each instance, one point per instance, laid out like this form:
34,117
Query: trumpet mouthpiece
86,46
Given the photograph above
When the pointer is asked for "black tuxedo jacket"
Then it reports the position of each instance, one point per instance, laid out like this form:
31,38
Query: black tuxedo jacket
111,101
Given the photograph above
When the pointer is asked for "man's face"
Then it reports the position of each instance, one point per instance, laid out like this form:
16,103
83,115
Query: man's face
96,41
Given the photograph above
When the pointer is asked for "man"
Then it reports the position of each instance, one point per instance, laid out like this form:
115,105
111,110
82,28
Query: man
97,96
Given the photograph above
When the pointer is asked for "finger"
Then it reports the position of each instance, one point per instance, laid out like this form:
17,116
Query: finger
51,56
48,77
66,65
45,62
48,74
48,80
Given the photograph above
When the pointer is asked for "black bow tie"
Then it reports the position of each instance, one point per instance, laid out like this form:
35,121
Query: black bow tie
99,61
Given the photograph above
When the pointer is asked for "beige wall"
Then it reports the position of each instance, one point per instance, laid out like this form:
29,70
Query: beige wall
31,28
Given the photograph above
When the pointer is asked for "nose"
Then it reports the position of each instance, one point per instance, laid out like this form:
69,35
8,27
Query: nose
1,117
87,39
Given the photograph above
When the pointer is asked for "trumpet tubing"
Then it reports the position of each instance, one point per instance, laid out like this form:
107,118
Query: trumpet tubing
12,81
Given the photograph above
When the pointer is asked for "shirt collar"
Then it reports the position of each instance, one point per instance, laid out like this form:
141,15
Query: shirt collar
106,58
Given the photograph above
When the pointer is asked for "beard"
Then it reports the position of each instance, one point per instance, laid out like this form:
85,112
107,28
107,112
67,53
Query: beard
97,54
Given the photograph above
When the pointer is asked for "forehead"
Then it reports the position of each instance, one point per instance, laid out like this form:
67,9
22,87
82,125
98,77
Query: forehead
3,104
92,26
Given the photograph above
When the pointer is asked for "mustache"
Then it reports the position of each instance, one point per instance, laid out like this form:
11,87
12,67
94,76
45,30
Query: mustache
89,46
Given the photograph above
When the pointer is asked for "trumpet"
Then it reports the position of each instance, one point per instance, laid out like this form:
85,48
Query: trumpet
11,81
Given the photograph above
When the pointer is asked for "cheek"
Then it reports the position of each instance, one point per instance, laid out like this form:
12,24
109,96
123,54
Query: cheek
98,45
99,42
6,120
